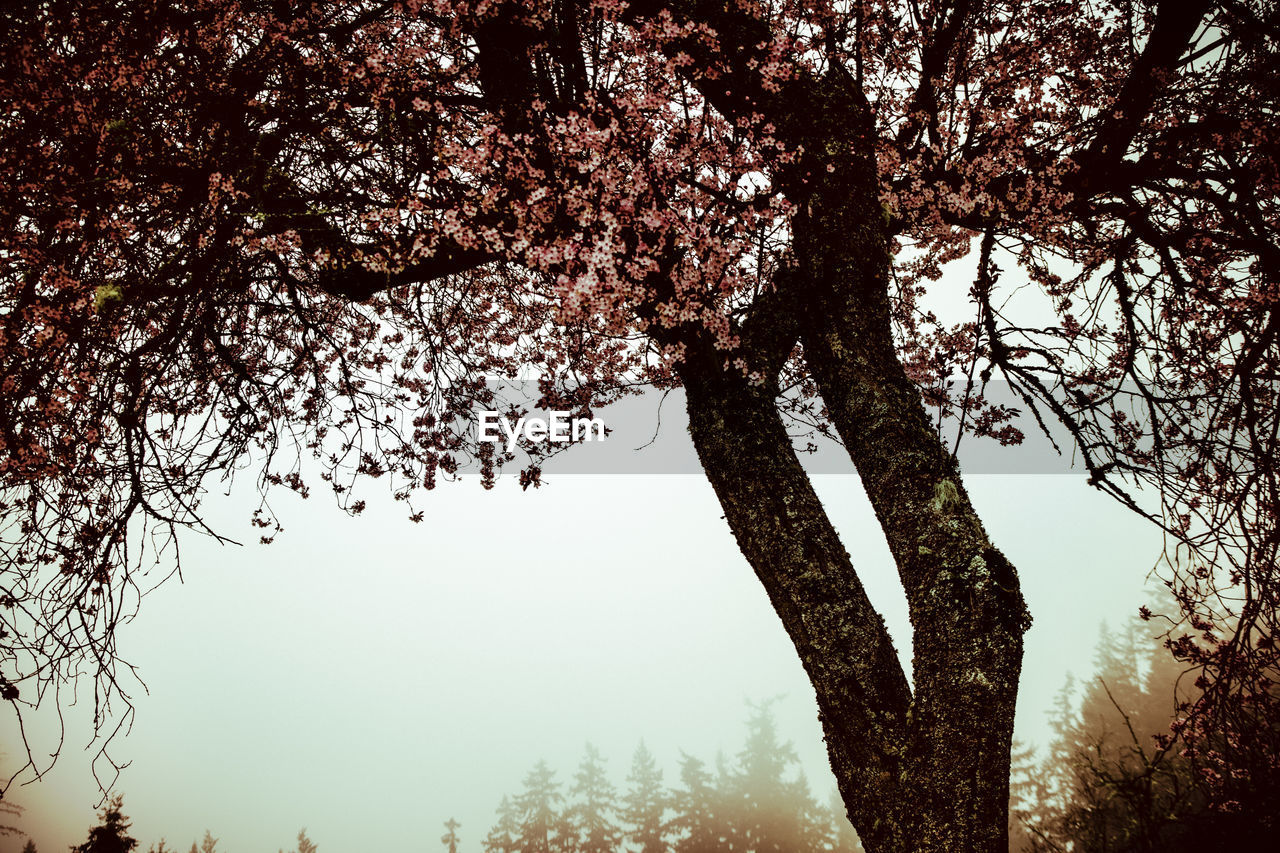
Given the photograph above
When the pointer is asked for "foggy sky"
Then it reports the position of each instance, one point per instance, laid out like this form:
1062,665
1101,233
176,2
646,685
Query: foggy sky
369,678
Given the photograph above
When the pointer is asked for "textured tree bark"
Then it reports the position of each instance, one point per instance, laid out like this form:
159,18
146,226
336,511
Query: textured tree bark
786,536
927,772
923,770
966,607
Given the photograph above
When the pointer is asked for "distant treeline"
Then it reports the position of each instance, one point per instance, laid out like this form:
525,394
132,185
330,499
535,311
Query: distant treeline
756,802
1117,778
1123,776
111,835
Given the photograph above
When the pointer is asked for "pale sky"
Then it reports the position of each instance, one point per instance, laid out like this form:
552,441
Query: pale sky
369,678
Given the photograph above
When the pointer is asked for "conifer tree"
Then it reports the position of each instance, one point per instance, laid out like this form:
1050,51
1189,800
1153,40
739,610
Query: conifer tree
592,813
699,820
1118,777
111,835
9,810
305,844
543,827
302,845
29,847
771,812
1121,790
450,838
1026,794
645,804
843,838
504,836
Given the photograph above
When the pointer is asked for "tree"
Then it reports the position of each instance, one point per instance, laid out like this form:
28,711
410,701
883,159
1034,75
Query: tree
29,847
595,806
1027,796
111,834
770,813
209,844
304,844
1119,775
233,229
1120,790
700,812
450,838
10,810
645,804
844,836
749,807
543,827
502,837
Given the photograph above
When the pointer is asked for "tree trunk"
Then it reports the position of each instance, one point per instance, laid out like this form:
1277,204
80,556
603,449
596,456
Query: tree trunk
964,599
922,772
922,768
786,536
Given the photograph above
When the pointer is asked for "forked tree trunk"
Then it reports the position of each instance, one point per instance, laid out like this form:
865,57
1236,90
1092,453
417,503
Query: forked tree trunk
922,770
925,768
789,541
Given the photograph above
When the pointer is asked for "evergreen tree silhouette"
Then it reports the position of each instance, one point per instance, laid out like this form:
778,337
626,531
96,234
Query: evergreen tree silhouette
844,838
1026,792
543,826
759,803
29,847
1121,791
1118,779
595,804
305,844
111,835
9,810
771,813
505,834
645,804
450,838
699,821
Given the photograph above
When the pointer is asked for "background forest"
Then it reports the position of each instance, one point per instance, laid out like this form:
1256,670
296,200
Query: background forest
1116,777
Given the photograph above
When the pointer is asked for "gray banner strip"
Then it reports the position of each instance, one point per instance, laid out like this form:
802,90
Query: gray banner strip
648,434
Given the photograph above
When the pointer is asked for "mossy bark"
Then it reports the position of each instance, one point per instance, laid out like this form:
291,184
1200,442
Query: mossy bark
788,539
922,768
